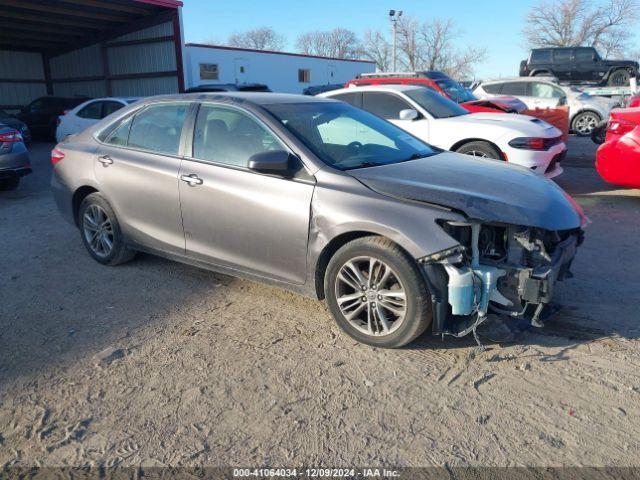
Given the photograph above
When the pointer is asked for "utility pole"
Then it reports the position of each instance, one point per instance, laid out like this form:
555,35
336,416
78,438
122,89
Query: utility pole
394,16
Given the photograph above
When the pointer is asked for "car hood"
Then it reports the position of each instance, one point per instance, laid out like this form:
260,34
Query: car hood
488,190
525,124
621,63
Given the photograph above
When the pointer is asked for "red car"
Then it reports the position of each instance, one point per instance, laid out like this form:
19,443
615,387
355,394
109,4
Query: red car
445,86
618,158
634,101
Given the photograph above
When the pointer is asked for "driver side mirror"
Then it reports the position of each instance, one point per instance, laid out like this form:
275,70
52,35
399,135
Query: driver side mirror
271,161
408,114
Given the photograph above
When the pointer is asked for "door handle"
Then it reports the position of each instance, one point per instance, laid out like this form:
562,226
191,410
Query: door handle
105,160
191,179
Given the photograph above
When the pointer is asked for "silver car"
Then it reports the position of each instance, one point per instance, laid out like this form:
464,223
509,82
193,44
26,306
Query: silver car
323,199
585,110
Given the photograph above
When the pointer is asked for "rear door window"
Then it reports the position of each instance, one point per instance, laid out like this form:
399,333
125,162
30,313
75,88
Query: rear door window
93,111
351,98
545,90
384,105
158,128
492,88
518,89
109,107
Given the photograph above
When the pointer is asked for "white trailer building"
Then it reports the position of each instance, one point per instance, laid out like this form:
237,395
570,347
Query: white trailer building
280,71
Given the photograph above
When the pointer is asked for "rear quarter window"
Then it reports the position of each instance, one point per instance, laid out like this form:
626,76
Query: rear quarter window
541,56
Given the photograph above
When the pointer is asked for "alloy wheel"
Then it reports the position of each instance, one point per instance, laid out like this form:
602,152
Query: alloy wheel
371,296
477,153
98,230
586,123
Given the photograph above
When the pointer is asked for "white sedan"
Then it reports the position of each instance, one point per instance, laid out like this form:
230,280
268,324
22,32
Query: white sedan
517,139
89,113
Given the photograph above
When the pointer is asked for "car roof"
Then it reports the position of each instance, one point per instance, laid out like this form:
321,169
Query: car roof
257,98
392,87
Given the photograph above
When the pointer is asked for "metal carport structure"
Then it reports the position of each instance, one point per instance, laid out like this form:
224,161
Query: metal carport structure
89,47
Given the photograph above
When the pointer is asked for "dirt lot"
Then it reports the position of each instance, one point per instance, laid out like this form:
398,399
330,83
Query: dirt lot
157,363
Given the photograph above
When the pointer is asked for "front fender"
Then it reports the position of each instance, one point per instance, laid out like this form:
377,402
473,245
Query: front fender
358,210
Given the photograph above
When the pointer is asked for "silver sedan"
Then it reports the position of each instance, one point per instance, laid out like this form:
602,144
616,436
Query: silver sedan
326,200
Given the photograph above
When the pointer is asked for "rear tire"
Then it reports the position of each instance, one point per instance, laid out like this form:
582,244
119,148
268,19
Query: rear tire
619,78
7,184
385,303
100,231
480,149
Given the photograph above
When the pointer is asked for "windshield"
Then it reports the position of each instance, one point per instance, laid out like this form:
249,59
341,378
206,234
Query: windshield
434,103
456,91
346,137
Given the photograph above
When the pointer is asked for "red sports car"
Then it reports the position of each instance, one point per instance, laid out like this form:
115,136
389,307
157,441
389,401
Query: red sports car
618,158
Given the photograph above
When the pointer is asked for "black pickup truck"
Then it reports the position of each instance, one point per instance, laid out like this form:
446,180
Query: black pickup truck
578,64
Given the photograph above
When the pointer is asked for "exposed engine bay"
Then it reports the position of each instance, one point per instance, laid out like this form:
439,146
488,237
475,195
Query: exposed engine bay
497,268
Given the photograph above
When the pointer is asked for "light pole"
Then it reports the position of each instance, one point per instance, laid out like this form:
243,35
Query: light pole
394,16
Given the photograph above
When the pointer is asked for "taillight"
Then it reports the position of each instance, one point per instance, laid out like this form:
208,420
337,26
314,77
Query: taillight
11,136
620,128
533,143
56,156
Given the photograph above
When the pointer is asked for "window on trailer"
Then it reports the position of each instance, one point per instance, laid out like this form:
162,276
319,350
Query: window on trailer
304,75
208,71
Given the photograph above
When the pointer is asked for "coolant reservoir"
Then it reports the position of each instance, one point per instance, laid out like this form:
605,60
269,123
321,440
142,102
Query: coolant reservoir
461,291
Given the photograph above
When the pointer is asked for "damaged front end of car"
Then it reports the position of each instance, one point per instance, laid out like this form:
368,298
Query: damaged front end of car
497,268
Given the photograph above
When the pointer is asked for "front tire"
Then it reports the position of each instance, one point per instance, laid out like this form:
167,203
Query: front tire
584,123
376,293
619,78
480,149
101,232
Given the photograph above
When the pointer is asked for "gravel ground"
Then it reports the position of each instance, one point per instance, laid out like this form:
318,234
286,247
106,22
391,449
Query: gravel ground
157,363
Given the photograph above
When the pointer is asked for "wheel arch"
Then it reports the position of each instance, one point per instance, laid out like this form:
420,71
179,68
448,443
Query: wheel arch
333,246
78,196
460,143
540,71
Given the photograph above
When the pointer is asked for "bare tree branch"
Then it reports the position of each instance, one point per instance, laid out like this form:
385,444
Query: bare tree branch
604,24
337,43
264,38
375,47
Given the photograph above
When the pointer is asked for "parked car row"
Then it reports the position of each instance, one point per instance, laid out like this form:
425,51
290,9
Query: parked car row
517,139
328,200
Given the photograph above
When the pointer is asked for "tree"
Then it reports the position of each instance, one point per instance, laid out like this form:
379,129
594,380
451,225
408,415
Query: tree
426,46
605,24
264,38
337,43
438,51
376,48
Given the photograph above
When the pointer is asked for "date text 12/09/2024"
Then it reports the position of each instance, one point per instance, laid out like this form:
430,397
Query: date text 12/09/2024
315,473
